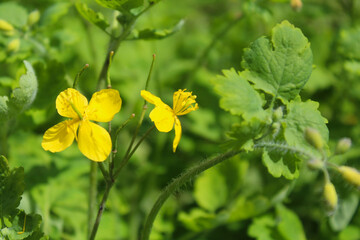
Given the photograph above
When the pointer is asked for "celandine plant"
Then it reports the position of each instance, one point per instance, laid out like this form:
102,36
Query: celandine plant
271,126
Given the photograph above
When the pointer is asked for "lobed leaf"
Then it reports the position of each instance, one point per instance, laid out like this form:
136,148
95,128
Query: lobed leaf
281,164
280,66
262,228
25,94
94,17
238,96
301,115
11,188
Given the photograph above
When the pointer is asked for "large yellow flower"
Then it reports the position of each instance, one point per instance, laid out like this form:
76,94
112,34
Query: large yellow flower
93,140
165,117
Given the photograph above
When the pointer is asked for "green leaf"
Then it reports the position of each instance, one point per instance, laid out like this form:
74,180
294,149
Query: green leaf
281,164
121,5
24,226
198,220
92,16
210,190
13,13
52,14
301,115
262,228
282,66
238,96
25,94
344,212
11,188
290,226
243,134
245,208
151,34
351,232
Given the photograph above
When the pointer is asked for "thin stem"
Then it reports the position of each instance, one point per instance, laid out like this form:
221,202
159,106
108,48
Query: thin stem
178,182
77,77
92,194
125,160
103,171
111,54
283,147
101,210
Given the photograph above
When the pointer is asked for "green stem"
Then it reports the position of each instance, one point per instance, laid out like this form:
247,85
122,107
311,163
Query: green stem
92,194
101,210
77,77
125,160
178,182
103,171
283,147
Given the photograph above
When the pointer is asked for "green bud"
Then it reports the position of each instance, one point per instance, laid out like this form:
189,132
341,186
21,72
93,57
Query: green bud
13,45
314,138
351,175
315,164
330,195
33,18
343,145
5,26
275,128
278,114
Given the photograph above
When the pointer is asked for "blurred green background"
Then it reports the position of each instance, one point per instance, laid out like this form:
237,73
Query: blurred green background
232,201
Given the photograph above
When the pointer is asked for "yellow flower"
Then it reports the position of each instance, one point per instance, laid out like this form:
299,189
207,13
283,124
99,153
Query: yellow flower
165,117
93,140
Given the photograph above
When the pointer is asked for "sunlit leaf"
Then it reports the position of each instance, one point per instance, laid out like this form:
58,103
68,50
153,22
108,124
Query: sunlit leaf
152,34
96,18
289,226
280,66
238,96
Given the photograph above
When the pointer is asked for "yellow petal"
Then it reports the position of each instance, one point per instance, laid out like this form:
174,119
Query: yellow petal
104,105
151,98
94,141
70,97
60,136
177,134
163,117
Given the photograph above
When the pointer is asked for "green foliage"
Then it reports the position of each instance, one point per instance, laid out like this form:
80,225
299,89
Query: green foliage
13,13
280,67
152,34
121,5
18,224
238,96
22,97
344,213
92,16
12,186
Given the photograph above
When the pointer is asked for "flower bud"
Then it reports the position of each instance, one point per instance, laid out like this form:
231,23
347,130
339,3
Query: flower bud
315,164
330,195
343,145
314,138
275,128
5,26
351,175
14,45
33,18
296,5
278,114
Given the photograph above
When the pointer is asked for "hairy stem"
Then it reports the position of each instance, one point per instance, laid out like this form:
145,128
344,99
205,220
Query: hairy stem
178,182
101,210
92,194
283,147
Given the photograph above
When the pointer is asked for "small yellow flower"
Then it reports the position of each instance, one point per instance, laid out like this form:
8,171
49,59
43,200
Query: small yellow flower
93,140
165,117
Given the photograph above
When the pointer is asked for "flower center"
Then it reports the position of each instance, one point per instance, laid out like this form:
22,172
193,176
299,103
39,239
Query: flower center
184,102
